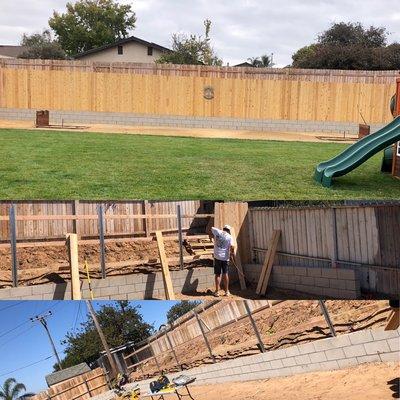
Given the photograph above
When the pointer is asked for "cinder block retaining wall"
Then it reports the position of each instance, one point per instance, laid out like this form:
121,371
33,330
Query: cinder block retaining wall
90,117
321,355
130,287
322,282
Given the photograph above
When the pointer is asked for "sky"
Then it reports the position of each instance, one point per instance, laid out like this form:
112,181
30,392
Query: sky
240,28
23,343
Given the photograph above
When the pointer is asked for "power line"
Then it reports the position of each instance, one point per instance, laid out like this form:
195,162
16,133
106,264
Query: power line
16,336
13,329
27,366
13,305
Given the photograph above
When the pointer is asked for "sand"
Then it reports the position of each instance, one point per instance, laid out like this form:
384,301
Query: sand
195,132
375,381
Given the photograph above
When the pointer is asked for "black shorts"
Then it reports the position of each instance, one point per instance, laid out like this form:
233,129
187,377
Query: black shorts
220,267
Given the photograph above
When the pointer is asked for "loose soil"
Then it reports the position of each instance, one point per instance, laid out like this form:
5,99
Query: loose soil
375,381
283,325
37,265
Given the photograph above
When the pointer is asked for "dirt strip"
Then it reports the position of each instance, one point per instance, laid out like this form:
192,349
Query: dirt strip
194,132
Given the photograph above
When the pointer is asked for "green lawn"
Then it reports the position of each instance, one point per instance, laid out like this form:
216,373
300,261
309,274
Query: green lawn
66,165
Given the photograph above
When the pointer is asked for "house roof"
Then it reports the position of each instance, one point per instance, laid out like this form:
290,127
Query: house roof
244,64
10,51
67,373
123,41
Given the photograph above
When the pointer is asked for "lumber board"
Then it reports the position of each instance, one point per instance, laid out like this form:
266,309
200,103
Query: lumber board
268,262
168,287
72,246
393,321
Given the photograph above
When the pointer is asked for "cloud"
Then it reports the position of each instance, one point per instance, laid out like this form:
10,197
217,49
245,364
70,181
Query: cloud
240,28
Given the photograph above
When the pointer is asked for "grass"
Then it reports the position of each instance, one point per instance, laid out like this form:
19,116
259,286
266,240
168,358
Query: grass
38,164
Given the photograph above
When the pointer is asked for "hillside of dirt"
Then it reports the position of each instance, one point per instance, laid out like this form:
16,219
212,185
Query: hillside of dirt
38,265
285,324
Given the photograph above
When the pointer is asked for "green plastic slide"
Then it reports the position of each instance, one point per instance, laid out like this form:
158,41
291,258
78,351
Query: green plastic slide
357,153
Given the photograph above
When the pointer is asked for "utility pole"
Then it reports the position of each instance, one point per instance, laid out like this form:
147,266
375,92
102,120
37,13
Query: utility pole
42,320
114,369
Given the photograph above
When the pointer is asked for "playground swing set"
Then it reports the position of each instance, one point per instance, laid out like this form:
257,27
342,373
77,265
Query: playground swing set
386,139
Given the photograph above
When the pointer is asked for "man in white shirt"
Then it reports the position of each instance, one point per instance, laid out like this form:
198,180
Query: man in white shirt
223,248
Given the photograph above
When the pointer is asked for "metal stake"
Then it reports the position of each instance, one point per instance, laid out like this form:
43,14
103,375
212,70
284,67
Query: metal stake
327,317
204,336
179,217
102,244
13,242
256,331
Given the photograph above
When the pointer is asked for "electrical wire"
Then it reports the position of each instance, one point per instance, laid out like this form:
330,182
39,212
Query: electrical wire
13,305
27,366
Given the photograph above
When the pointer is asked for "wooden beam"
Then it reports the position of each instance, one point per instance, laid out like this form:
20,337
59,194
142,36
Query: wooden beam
72,246
393,320
268,262
168,287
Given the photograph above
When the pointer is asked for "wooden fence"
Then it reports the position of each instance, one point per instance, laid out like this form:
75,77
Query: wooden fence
363,237
271,94
81,387
37,220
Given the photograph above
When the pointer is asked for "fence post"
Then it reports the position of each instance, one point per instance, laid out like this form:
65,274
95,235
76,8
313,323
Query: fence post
173,351
87,387
256,331
204,336
334,239
145,220
155,357
13,243
179,217
102,244
328,320
75,222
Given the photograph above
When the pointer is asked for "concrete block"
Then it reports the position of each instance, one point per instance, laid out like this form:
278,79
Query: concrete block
322,282
330,273
307,348
318,357
292,351
335,354
307,280
302,359
347,274
300,271
368,359
375,347
328,365
289,361
276,364
347,362
354,351
394,344
315,272
390,357
380,334
337,283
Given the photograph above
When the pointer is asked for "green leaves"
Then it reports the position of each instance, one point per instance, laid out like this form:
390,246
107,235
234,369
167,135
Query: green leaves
88,24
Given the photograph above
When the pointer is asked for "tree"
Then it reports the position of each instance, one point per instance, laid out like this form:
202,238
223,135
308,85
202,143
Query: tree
192,49
121,323
11,390
181,308
92,23
349,46
41,45
261,62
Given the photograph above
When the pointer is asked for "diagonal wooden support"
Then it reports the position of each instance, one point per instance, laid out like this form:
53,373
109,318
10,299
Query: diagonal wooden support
168,287
72,246
268,262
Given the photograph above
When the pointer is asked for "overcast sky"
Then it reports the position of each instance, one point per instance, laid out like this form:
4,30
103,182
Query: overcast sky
241,28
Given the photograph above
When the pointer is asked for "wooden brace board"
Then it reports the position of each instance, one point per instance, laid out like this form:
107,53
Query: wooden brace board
268,262
168,287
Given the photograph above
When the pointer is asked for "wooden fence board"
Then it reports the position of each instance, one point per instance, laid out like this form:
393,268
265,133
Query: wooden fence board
248,95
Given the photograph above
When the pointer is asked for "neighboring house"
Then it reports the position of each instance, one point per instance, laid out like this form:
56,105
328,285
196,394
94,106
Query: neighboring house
131,49
67,373
7,51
